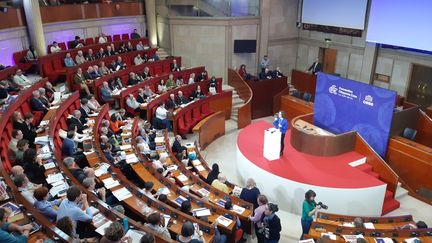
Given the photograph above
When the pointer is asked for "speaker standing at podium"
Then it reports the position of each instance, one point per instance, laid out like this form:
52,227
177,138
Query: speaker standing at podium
282,124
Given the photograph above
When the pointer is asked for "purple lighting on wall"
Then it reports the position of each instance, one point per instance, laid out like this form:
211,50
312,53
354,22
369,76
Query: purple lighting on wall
7,48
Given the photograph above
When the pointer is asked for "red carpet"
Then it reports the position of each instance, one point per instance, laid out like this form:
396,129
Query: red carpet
303,168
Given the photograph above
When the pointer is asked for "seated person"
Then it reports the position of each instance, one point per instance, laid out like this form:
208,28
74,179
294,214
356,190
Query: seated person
135,35
75,119
219,184
162,116
140,47
141,97
80,80
277,73
76,171
55,47
183,157
114,233
20,79
93,103
68,61
22,146
201,77
79,58
148,92
90,184
45,207
90,56
115,84
31,55
242,72
76,207
162,88
103,70
155,57
119,64
33,167
213,85
106,93
179,81
123,48
102,39
113,49
191,79
133,79
91,73
155,221
77,43
181,99
197,94
130,47
170,84
138,60
266,74
69,149
190,233
25,187
174,66
11,232
78,138
101,53
109,52
132,103
16,136
115,124
35,102
213,174
146,73
44,98
176,146
171,103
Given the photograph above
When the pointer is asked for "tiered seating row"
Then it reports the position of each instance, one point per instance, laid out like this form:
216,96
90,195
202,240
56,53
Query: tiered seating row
59,122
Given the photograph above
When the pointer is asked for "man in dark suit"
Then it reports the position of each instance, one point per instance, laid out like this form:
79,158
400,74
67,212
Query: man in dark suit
28,130
171,104
69,149
36,104
85,110
77,172
76,119
201,77
174,66
277,73
176,146
181,99
266,74
315,67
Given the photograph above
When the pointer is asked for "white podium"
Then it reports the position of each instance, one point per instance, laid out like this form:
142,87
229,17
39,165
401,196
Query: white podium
272,137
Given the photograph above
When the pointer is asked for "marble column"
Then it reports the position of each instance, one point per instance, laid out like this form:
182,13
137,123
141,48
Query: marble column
34,26
150,7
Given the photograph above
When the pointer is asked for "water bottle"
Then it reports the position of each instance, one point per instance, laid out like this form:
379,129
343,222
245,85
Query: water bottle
125,224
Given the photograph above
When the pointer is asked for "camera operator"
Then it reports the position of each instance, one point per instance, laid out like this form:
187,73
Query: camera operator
310,208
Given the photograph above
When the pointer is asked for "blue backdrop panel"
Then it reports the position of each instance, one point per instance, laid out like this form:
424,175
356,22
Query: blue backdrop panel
343,105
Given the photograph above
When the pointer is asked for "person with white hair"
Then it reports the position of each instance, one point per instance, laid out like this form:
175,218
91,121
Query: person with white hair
250,193
20,79
80,80
79,58
138,60
43,97
35,102
106,93
219,183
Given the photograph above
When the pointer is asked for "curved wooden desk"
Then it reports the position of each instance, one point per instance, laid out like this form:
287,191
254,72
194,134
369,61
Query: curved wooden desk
310,139
210,128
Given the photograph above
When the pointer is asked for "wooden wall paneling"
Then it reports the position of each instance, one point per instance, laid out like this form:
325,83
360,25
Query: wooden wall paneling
403,119
120,9
424,129
90,11
244,117
13,18
223,103
329,60
303,81
263,93
277,99
61,13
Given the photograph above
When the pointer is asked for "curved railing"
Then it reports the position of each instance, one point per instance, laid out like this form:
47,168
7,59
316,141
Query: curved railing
245,93
277,99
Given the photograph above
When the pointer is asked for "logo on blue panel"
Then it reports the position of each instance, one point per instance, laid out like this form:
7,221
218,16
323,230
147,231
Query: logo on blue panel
333,89
368,100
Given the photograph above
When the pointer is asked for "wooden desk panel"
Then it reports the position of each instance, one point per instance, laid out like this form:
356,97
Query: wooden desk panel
294,107
303,81
263,93
210,128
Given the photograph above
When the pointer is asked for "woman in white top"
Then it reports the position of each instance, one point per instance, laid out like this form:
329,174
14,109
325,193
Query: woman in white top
93,104
102,39
191,78
162,88
55,48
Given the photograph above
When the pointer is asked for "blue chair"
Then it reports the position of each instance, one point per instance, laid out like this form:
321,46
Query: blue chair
296,94
409,133
307,97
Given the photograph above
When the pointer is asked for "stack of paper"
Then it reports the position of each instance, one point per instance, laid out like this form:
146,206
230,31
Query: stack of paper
52,178
369,225
103,169
199,168
135,235
345,224
307,241
125,147
238,209
131,158
49,165
88,152
196,162
203,192
159,139
182,178
43,123
110,183
201,212
122,194
42,140
101,229
93,114
351,238
163,190
224,221
59,189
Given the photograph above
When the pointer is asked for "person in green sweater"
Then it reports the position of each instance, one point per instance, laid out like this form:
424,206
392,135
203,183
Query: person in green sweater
170,83
309,209
6,230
